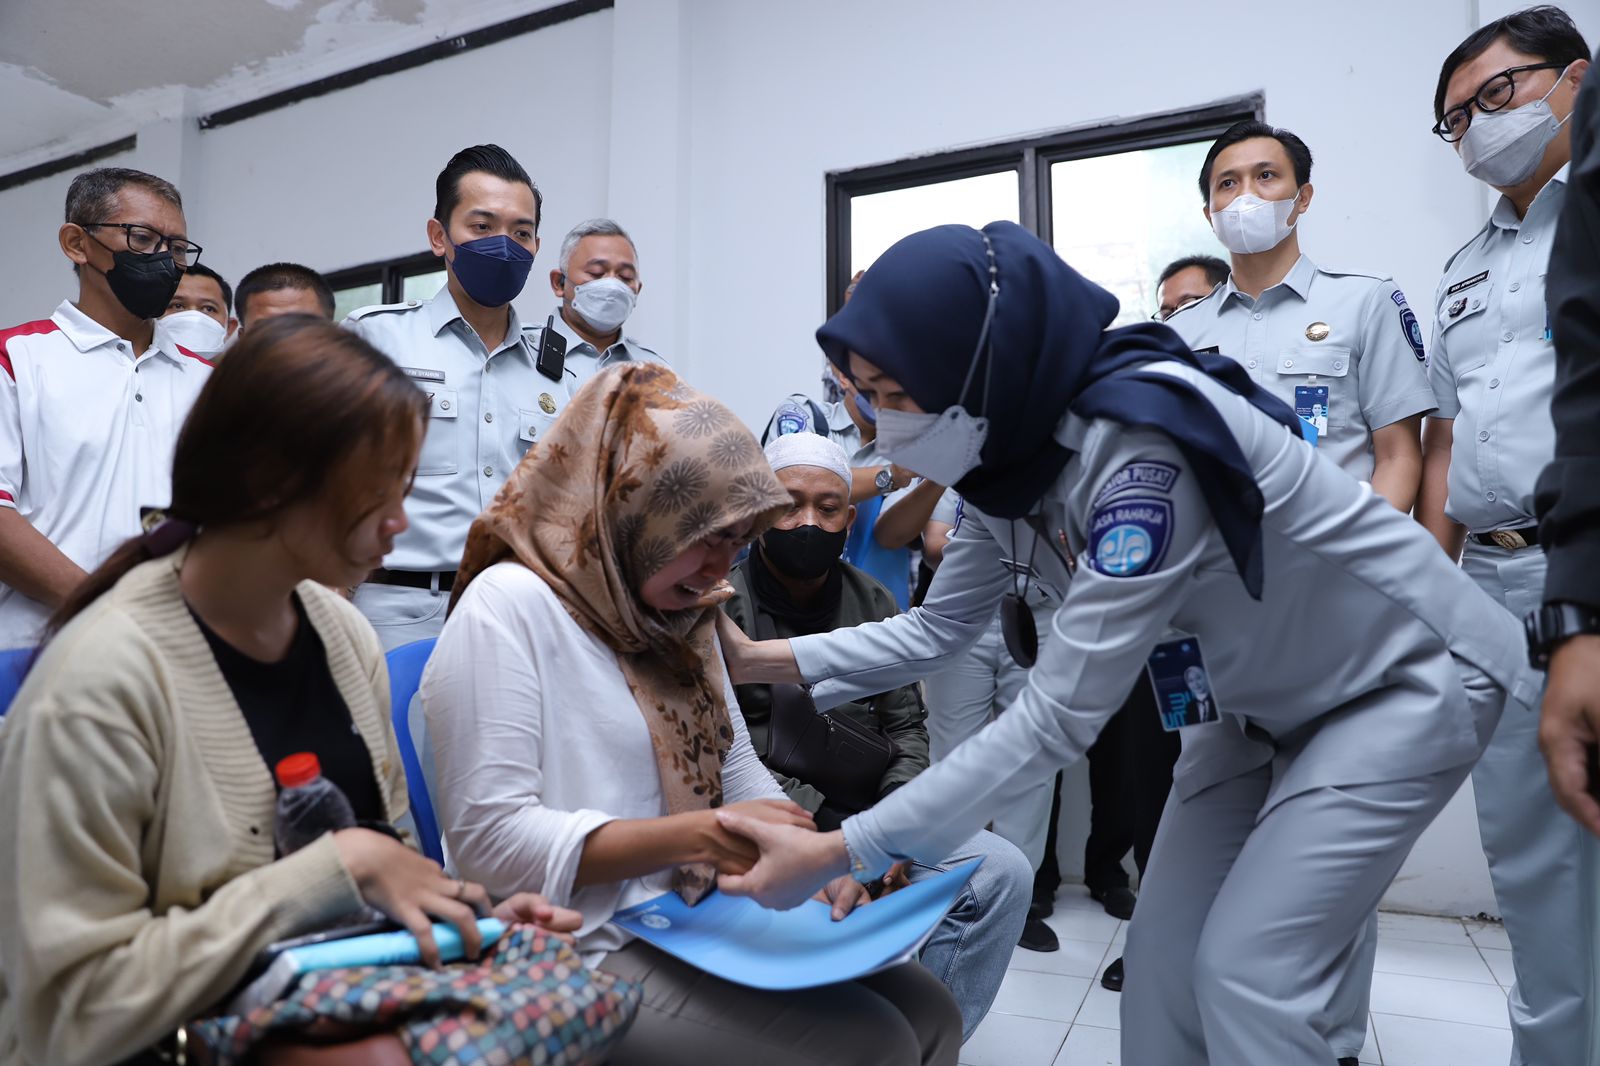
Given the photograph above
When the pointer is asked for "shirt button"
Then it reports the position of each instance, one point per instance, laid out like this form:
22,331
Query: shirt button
1483,434
1287,363
1507,335
488,416
488,471
1338,365
1256,316
1515,286
1494,383
1476,304
444,405
139,397
1528,239
1252,364
1489,496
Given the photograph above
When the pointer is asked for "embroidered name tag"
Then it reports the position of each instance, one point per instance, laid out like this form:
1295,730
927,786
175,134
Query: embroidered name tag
420,374
1467,283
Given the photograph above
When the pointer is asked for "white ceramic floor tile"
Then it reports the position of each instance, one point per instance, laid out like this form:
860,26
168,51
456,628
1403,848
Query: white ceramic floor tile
1489,935
1421,958
1418,927
1499,960
1429,997
1122,936
1050,996
1077,958
1088,1046
1081,918
1012,1040
1101,1008
1370,1050
1422,1042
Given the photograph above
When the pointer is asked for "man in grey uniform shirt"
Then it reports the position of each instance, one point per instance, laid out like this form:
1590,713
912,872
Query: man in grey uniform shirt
1503,99
491,394
1175,505
597,281
1344,350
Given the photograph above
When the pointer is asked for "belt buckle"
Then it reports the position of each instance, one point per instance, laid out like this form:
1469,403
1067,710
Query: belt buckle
1509,539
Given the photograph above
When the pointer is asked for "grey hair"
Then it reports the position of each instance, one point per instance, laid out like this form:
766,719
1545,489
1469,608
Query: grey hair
93,194
594,227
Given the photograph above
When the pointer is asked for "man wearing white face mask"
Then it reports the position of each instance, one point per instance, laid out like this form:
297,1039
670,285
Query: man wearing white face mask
597,282
1343,349
200,315
1503,100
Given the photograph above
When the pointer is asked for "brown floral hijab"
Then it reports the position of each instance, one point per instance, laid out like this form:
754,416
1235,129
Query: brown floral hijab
638,468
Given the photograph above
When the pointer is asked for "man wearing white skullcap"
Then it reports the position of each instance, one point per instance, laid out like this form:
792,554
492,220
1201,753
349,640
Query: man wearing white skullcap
795,582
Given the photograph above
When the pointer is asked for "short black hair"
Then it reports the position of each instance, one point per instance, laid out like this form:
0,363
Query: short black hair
275,276
1215,269
1545,31
199,271
490,159
1248,130
93,194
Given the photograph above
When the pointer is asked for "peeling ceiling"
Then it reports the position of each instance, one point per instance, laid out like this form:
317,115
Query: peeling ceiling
75,73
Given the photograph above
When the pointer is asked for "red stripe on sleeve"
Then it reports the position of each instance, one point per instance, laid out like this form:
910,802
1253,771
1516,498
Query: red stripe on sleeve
27,329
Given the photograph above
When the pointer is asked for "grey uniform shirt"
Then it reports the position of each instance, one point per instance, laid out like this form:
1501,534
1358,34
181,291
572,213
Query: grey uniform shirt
485,408
1338,559
584,361
1351,333
1493,365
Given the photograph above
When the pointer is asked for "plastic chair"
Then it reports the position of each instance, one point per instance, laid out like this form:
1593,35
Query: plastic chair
14,663
405,676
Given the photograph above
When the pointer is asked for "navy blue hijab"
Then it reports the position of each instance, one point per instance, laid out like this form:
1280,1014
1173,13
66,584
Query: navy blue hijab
917,315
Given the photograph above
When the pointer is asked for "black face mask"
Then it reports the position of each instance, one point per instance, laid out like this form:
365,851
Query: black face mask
144,284
804,553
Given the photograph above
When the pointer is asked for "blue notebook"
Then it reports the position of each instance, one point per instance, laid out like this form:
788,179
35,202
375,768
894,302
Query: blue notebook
740,941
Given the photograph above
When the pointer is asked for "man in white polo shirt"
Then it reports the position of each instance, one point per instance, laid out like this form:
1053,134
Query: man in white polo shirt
91,398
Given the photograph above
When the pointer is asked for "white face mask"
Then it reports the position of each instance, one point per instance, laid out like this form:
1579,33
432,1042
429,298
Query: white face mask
1250,224
604,303
1504,148
943,448
196,331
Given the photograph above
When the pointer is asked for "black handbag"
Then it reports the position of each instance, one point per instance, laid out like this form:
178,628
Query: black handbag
832,753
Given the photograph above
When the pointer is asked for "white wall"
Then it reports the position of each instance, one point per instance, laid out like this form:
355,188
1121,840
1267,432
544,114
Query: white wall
706,127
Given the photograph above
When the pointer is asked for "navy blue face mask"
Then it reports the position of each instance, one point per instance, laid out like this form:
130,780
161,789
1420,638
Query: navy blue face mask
492,269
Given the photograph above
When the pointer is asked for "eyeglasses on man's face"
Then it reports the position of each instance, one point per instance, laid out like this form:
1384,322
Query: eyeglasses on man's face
1493,95
144,241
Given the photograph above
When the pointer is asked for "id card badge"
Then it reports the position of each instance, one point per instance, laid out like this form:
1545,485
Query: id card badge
1183,687
1311,404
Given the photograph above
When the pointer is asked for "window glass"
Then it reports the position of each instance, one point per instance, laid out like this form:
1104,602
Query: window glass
422,287
879,219
347,300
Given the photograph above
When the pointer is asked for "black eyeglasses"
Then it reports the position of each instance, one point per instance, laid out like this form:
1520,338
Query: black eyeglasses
1492,95
144,240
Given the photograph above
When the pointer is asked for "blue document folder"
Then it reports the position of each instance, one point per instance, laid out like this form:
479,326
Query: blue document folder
741,941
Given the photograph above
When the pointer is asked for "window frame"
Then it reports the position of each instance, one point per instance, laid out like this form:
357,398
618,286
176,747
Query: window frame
388,274
1030,158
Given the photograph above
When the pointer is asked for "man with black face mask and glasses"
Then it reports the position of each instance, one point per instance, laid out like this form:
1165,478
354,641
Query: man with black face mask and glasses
793,583
1503,100
491,393
91,398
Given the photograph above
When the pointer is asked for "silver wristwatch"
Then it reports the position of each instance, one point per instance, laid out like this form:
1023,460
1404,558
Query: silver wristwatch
884,481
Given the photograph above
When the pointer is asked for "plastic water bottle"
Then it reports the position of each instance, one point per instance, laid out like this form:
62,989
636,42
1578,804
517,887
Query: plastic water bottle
309,805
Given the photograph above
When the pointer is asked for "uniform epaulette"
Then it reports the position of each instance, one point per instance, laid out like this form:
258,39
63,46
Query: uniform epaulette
374,309
1355,274
1451,262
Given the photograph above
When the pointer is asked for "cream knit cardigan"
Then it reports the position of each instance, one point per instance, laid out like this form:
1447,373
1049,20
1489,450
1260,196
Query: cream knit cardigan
137,878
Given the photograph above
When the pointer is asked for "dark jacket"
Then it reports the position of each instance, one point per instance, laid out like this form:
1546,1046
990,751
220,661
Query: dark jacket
1568,493
900,712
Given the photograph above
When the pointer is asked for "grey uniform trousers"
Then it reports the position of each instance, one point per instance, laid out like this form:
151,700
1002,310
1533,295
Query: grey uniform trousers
1535,852
1249,921
899,1017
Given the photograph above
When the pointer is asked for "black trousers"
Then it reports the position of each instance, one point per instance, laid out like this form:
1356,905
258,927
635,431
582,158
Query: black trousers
1130,774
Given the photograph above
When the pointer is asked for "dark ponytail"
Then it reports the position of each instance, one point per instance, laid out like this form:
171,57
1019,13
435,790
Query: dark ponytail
292,402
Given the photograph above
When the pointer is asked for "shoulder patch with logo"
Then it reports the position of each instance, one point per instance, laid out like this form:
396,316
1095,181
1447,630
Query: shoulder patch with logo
1413,332
1129,536
793,418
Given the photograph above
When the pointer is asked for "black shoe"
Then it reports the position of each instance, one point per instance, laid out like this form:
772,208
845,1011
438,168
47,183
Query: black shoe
1036,936
1041,908
1117,901
1112,978
1349,1062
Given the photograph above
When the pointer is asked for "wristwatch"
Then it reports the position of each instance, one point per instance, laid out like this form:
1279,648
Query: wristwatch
884,481
1554,623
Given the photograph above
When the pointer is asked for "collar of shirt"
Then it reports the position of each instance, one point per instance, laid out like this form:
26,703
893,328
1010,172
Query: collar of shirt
1297,281
576,345
1505,214
442,310
86,335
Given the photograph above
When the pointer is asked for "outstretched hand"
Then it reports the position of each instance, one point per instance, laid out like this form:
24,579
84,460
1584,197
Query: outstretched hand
752,662
530,908
794,862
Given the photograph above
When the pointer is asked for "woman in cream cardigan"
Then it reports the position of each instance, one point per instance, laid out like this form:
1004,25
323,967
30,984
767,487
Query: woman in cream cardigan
137,870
